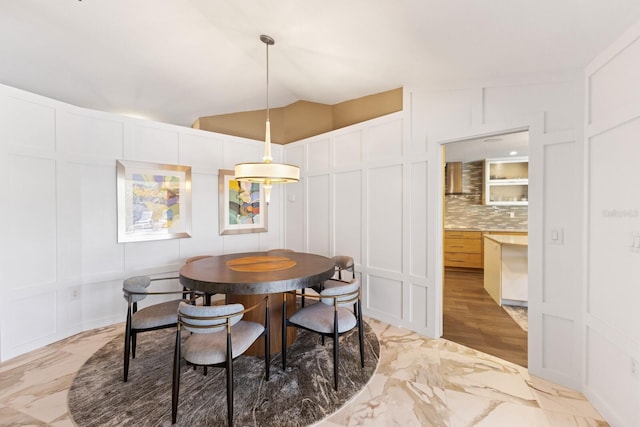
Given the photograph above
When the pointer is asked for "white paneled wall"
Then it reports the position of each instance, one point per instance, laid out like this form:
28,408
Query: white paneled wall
612,318
61,265
384,218
347,187
365,196
549,107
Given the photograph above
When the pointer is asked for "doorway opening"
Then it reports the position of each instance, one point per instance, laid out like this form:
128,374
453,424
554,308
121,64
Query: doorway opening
485,208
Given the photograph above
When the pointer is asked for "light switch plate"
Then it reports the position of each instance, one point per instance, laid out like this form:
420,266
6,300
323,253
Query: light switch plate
556,236
634,241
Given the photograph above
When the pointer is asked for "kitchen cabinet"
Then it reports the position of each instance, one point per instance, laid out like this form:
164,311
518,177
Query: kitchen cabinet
506,269
463,249
506,181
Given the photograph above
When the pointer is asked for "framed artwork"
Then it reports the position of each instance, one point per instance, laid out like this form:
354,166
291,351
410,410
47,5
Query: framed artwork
154,201
243,208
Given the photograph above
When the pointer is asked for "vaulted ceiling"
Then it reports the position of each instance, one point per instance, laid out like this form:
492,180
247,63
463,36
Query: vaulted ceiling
177,60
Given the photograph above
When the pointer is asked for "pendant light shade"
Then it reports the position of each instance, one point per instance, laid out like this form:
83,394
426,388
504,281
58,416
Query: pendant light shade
267,172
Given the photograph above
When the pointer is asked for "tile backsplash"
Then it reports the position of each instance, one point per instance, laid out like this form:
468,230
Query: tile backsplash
467,211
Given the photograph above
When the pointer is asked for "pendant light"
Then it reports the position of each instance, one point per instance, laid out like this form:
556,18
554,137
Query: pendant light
267,172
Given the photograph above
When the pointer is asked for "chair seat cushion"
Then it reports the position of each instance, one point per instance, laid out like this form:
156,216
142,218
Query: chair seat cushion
319,318
210,349
162,314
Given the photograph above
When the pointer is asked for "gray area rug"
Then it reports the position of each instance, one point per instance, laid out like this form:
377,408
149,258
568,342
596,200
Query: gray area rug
300,396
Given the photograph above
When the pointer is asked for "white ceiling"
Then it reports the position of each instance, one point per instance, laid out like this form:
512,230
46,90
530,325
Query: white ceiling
488,147
176,60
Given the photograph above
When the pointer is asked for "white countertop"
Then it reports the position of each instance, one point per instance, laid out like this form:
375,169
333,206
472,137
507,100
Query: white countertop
508,239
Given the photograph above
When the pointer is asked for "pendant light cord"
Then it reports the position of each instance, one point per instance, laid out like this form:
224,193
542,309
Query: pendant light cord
267,44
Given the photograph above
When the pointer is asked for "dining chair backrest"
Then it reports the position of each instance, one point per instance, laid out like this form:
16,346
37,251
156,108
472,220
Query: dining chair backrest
345,295
344,263
208,319
135,288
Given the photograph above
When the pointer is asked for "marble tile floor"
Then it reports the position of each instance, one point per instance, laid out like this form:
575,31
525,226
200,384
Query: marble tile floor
419,382
520,315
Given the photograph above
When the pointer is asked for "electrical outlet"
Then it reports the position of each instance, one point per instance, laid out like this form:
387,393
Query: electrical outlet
512,214
76,292
635,369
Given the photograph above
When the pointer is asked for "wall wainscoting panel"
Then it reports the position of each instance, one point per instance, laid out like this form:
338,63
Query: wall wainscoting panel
609,88
384,296
29,123
318,187
319,156
203,154
558,99
347,149
347,215
89,134
561,284
151,144
418,202
614,216
60,244
384,141
385,217
371,183
30,231
34,316
98,224
555,329
419,300
612,320
609,363
550,108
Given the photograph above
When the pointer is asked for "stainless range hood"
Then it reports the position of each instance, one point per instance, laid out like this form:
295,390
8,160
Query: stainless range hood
453,178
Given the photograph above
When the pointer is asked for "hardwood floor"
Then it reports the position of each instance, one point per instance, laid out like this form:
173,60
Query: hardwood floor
472,318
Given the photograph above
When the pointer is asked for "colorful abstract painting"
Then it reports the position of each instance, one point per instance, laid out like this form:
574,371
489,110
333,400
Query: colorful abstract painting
153,201
242,205
244,202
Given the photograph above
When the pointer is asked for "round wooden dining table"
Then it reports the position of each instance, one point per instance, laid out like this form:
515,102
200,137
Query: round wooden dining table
246,277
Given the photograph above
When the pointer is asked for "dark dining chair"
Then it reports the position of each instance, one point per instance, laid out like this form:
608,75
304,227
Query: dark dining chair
344,263
207,296
157,316
330,317
218,335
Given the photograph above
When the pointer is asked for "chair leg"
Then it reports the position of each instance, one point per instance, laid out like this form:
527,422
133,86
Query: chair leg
284,332
360,334
133,344
175,389
267,342
127,345
302,298
229,368
335,350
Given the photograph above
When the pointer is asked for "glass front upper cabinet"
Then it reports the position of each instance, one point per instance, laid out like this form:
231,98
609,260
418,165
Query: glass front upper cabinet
506,181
